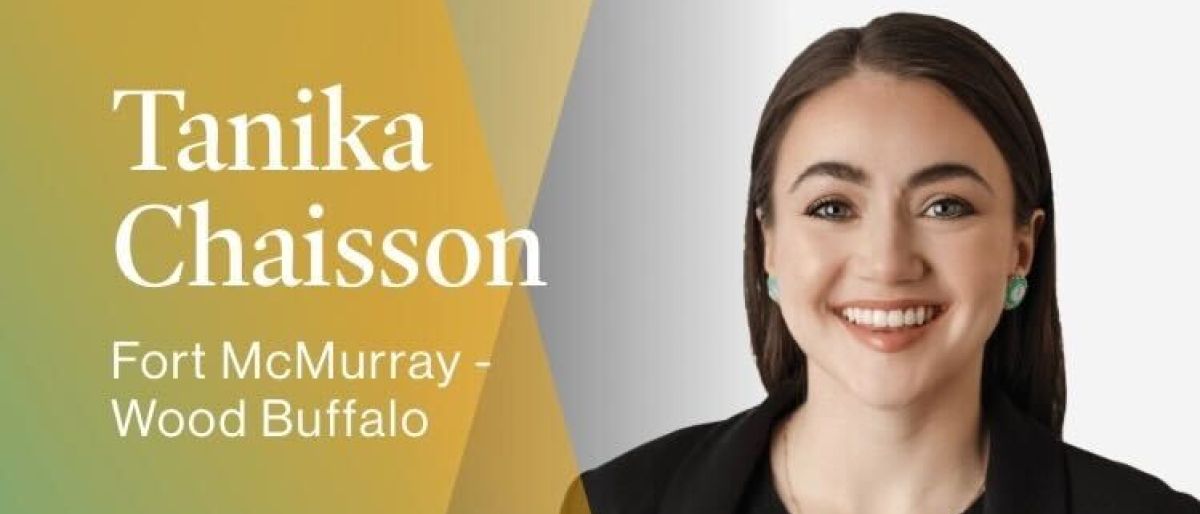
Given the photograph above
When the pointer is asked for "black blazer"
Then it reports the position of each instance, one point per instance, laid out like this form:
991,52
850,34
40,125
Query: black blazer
703,469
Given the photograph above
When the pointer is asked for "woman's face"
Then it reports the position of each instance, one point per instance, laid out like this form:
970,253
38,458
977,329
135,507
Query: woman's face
889,197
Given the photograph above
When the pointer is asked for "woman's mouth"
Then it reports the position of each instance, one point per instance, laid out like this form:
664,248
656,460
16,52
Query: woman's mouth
889,330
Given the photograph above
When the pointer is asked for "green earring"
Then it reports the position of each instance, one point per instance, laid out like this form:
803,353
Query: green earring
773,287
1017,285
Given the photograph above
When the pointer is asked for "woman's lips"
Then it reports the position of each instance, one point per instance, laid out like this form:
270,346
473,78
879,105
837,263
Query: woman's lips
889,340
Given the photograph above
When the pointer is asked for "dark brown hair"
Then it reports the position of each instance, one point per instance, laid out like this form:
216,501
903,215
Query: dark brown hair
1023,355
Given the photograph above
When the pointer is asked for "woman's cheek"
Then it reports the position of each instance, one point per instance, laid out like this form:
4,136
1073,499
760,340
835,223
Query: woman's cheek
974,263
809,263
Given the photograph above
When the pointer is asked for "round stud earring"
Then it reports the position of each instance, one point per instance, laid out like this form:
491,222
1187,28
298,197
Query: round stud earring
1015,292
773,287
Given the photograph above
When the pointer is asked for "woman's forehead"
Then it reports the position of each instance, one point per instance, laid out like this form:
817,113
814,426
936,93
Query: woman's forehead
888,126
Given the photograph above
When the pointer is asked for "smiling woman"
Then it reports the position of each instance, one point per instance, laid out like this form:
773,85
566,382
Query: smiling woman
900,207
922,215
885,325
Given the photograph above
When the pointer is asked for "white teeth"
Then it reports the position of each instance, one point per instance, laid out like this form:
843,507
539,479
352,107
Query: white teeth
897,318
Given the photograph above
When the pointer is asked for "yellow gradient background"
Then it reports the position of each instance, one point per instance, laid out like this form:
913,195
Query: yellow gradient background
489,97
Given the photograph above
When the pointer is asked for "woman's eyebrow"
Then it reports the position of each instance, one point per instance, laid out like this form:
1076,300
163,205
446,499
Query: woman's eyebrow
835,169
946,171
925,176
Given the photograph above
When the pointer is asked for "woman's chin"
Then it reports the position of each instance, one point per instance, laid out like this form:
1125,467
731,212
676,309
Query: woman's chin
890,393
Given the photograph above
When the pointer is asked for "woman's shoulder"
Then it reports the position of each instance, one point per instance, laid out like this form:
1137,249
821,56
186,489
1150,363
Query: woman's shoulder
634,481
701,468
1101,484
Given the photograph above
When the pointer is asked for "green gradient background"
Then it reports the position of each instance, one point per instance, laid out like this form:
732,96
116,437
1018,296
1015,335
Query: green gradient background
65,184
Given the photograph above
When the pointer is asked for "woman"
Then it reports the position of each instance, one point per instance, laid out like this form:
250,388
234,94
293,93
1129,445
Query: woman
900,208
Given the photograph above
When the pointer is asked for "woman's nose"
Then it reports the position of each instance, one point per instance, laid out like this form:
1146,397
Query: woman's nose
887,252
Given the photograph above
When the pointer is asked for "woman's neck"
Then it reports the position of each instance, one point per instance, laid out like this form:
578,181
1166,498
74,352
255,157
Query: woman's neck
928,456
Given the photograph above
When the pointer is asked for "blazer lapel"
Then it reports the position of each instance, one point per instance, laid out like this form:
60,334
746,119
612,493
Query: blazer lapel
711,479
1025,474
1026,463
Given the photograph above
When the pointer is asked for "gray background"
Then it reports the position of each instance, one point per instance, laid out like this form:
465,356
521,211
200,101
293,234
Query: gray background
640,213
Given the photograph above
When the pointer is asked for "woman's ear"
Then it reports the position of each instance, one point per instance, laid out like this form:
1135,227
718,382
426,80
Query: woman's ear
1027,235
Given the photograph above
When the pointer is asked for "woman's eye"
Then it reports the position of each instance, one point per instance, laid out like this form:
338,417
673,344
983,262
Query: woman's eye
949,208
829,209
